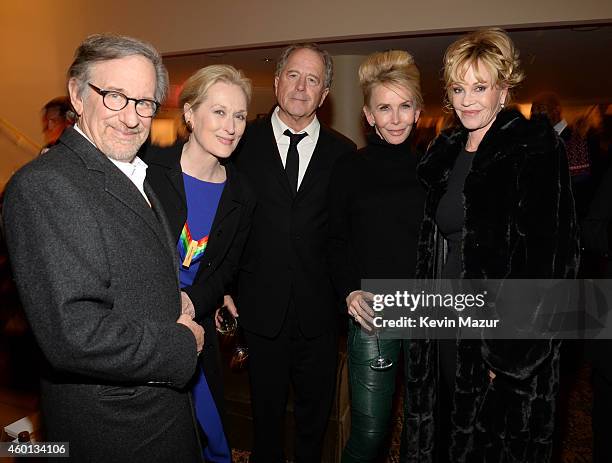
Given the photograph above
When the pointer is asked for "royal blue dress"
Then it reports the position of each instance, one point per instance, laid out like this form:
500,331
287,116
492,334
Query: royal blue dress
202,202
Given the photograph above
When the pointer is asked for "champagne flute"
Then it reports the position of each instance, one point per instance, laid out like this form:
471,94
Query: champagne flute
380,363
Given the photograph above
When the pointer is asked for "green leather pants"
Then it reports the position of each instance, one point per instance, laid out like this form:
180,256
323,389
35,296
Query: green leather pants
371,395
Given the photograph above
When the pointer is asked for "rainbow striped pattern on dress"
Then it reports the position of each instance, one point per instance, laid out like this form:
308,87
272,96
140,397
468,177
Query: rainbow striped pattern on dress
191,249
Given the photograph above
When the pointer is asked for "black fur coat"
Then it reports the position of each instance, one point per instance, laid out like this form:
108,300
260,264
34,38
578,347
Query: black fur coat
519,223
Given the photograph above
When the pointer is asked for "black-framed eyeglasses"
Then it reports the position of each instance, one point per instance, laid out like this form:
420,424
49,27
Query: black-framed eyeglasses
116,101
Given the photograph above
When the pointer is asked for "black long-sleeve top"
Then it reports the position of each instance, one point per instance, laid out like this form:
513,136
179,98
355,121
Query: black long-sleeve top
375,212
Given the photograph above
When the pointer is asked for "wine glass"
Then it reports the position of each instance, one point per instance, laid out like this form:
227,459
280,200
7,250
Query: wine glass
228,324
230,330
240,355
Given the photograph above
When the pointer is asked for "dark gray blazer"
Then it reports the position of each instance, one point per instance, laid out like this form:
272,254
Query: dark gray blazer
97,277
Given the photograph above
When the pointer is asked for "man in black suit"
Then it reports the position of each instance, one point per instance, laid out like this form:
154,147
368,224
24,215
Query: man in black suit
96,270
547,104
285,296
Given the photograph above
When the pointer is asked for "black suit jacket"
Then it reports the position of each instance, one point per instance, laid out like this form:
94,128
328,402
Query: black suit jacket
286,254
97,277
226,242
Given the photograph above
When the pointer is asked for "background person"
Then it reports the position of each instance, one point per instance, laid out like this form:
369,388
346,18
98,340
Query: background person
376,208
209,207
548,105
100,290
499,199
57,115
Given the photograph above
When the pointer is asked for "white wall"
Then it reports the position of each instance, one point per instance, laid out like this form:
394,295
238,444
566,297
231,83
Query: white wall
39,36
183,25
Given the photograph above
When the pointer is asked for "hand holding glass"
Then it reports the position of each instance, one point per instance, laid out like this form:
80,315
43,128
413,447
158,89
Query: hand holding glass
227,322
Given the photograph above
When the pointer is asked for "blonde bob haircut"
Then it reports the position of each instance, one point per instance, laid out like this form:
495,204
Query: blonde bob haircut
391,67
196,87
490,48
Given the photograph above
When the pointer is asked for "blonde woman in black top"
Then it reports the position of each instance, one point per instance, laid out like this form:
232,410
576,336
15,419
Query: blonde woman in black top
375,213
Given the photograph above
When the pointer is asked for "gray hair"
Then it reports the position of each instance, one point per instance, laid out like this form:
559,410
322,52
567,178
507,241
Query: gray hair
327,61
105,47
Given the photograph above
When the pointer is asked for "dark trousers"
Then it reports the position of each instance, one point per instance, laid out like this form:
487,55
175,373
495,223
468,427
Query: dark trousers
602,418
309,366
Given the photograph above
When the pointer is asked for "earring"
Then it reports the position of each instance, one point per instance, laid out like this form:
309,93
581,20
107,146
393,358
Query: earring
502,105
189,126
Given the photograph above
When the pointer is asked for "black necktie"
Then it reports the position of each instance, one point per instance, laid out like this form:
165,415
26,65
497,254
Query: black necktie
292,166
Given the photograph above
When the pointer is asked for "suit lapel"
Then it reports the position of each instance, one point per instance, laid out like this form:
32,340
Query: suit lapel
161,217
273,158
316,164
172,189
226,205
175,177
226,217
119,186
274,164
115,182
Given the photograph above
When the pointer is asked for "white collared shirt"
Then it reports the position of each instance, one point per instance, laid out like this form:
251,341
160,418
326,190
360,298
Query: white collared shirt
136,170
306,146
560,126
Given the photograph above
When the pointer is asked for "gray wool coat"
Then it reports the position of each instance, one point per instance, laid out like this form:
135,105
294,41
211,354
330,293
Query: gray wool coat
96,273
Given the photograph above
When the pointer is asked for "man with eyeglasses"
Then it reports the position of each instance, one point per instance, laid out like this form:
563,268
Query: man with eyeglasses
95,267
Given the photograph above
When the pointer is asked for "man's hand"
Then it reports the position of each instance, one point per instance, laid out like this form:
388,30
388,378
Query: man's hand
196,329
187,307
231,307
359,309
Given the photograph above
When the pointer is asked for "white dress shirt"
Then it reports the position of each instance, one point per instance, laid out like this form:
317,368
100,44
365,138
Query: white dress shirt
136,170
306,146
560,126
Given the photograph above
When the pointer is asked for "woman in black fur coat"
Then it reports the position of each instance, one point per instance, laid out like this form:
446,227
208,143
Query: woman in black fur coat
499,205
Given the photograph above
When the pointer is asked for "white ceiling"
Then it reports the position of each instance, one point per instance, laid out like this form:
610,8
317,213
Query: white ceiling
574,62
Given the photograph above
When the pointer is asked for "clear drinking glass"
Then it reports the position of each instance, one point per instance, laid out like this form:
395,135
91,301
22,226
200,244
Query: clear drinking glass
380,363
232,334
228,323
240,355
